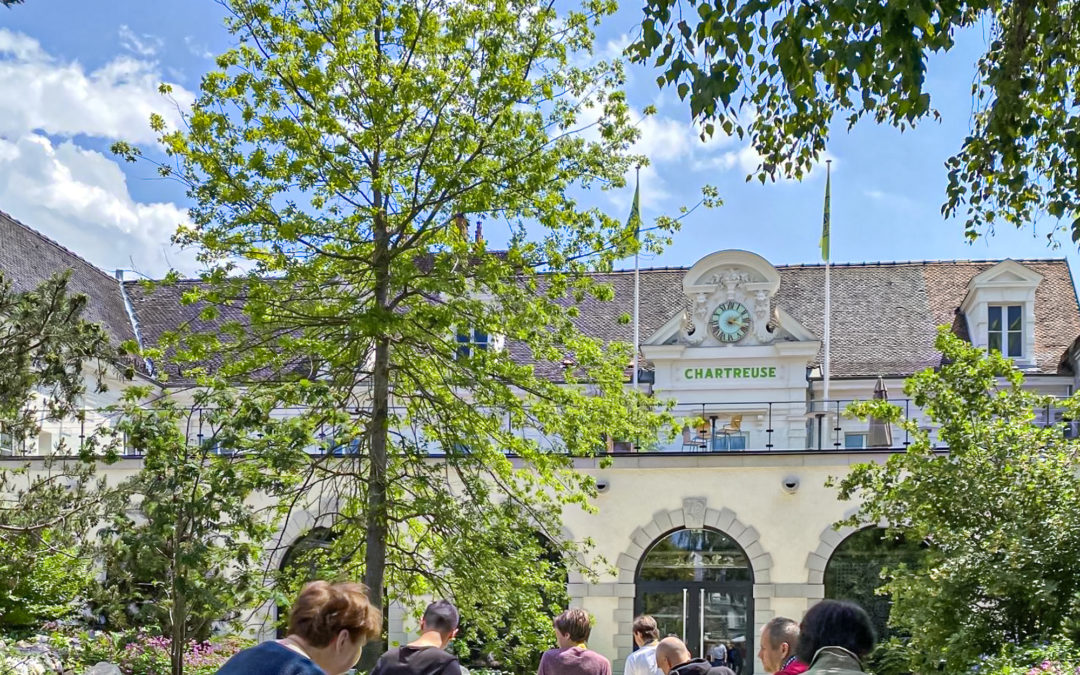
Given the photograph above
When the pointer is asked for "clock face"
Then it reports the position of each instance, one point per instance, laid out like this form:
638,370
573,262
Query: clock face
730,322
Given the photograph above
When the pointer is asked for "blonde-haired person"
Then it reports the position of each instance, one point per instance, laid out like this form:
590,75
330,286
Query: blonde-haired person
328,627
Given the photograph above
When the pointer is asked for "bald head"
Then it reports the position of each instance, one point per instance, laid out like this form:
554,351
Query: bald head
671,652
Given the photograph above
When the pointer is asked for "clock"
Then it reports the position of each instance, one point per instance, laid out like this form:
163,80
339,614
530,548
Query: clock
730,322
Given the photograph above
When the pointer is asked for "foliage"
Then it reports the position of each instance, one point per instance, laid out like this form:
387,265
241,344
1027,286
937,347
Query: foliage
49,354
135,653
341,153
779,72
185,552
45,346
1061,657
998,510
39,582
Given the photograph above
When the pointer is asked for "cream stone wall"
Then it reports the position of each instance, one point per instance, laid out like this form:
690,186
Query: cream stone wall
784,533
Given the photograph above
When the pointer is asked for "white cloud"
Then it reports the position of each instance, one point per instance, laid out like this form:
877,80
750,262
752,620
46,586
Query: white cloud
143,45
63,99
613,49
197,48
20,46
80,198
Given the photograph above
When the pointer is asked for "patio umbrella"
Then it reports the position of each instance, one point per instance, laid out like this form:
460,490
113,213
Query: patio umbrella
880,434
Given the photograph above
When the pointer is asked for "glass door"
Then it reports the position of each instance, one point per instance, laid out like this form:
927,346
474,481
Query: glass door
669,608
723,621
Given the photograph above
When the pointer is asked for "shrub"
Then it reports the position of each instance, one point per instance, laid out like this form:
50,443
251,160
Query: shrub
1057,658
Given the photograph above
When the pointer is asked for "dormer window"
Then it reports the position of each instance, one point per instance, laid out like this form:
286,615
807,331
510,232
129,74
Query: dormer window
1005,329
469,341
1000,311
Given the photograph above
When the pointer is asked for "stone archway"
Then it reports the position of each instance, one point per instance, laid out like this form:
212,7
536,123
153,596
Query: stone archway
828,540
694,514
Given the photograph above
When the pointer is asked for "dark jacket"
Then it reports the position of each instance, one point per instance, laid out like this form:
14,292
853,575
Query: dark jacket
407,660
835,661
700,667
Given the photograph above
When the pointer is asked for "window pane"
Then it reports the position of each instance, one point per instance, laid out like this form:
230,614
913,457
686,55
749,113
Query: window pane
995,341
1014,344
1014,317
854,440
695,555
995,318
480,339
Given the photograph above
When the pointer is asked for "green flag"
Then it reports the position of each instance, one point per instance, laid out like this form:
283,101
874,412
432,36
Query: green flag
634,221
825,219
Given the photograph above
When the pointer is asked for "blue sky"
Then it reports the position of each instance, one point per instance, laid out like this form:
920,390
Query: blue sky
76,76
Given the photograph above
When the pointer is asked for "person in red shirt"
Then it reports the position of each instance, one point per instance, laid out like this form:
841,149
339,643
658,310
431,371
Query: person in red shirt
777,653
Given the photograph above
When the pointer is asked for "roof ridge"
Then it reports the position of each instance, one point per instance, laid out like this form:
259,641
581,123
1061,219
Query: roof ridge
57,245
869,263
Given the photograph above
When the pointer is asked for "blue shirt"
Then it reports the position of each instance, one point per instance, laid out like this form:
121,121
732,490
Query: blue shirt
270,658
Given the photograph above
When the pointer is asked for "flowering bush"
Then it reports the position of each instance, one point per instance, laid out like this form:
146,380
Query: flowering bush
150,655
134,653
1057,658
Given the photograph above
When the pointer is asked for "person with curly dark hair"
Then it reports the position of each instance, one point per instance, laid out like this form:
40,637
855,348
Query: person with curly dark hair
834,638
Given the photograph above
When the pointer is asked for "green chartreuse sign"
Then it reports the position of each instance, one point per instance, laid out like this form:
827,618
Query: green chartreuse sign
726,373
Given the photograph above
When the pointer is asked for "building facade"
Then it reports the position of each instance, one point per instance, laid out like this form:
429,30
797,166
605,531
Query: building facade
729,523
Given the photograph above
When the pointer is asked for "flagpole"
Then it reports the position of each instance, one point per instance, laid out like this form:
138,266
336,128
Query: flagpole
828,299
637,287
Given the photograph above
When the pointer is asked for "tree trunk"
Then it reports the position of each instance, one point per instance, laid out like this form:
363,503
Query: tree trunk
179,636
375,542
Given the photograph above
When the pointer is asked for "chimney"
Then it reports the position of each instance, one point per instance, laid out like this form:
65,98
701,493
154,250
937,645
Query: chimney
462,225
479,232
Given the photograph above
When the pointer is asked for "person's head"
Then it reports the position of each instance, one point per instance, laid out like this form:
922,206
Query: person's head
779,638
670,653
835,623
441,617
572,627
645,630
333,622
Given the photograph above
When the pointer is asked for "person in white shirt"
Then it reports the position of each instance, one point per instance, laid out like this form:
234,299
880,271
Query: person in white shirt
646,637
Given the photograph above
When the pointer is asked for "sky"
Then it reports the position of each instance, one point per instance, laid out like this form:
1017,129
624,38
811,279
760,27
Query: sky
76,76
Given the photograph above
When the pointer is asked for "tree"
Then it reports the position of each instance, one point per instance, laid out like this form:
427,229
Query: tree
780,72
342,154
49,354
11,3
185,551
998,511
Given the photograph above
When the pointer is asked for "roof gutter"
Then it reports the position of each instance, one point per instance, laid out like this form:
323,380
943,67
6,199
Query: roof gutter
134,320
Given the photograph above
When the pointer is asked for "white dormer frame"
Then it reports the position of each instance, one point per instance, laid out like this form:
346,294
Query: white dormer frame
1006,283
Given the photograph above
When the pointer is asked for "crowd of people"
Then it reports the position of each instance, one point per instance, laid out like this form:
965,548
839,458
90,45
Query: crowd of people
330,623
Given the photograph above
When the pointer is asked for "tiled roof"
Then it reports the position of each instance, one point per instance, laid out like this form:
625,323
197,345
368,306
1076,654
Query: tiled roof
884,315
27,258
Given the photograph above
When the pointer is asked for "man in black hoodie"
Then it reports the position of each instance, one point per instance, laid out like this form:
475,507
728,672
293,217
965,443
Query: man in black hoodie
427,654
673,658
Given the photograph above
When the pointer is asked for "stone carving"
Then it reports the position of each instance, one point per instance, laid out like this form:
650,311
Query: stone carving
696,320
761,317
694,508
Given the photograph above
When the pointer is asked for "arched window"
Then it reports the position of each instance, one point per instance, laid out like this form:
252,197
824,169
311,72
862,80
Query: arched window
698,585
854,570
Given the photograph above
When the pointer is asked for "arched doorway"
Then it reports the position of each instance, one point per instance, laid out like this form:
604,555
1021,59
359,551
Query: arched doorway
301,563
854,570
698,585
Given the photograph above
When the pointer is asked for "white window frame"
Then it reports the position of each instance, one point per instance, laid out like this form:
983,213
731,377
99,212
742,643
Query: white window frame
1004,332
471,342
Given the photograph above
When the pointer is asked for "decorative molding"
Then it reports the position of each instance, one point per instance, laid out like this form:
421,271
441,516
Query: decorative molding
694,514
